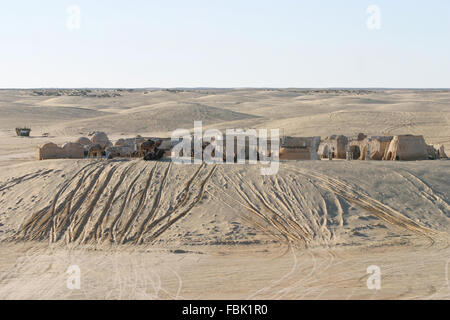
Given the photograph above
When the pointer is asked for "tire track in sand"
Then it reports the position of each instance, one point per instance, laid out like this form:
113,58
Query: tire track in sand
38,226
96,231
427,192
127,198
196,200
368,203
154,208
79,226
30,176
184,194
289,228
62,217
273,220
125,232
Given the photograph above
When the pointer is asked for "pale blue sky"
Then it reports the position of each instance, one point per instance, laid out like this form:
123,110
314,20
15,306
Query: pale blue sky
232,43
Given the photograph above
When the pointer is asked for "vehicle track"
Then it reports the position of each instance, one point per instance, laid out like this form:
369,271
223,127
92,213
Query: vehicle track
368,203
80,211
125,232
100,223
427,192
173,218
290,231
281,219
184,195
155,207
40,223
118,202
62,217
112,236
271,227
30,176
77,227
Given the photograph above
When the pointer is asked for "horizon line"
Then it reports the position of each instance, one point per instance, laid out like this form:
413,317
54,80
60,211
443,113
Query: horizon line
223,88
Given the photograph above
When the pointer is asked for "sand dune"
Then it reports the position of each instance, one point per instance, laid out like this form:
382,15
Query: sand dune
307,203
158,230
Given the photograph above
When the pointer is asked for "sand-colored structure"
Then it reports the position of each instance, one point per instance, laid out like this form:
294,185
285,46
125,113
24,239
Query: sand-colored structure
336,144
69,150
101,139
299,148
166,145
114,151
128,146
84,141
436,152
360,147
73,150
440,152
96,151
91,148
375,147
406,148
120,151
49,150
125,142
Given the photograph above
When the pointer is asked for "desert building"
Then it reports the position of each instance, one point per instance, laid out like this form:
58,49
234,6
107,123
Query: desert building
128,143
114,151
356,146
436,152
84,141
407,147
120,151
101,139
96,151
299,148
69,150
336,145
374,146
49,151
166,145
124,142
249,147
440,152
73,150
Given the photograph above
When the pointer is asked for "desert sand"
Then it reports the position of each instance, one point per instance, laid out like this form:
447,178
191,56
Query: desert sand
157,230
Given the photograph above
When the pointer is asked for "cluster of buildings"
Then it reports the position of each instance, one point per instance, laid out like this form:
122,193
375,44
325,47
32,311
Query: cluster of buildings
99,146
363,147
360,147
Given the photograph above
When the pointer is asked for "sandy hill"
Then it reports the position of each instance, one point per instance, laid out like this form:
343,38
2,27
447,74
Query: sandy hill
157,230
